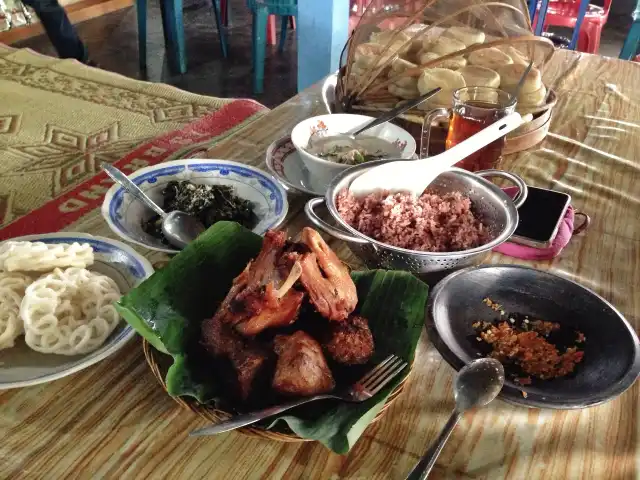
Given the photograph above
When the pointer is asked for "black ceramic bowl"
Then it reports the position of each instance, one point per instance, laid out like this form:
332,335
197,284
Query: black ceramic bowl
611,360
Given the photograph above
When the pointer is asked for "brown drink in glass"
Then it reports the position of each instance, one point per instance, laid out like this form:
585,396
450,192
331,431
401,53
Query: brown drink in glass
475,108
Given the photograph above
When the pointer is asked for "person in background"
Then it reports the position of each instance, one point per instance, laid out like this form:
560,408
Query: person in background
60,31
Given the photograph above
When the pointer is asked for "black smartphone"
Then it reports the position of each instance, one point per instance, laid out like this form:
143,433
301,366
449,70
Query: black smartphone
540,217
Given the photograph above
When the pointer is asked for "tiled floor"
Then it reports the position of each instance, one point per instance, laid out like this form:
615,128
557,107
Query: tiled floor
112,41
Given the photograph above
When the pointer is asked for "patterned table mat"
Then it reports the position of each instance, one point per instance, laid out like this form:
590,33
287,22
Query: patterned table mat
59,120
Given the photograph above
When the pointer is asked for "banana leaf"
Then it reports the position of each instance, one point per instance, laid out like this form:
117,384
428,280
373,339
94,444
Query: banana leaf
168,308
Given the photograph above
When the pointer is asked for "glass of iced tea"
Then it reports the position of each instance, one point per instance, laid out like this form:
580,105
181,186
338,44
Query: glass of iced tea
474,108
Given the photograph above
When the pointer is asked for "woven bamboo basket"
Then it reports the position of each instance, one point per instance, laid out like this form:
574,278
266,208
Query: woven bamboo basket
398,45
213,415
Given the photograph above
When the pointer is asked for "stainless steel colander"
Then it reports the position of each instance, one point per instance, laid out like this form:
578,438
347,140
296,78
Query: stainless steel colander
495,208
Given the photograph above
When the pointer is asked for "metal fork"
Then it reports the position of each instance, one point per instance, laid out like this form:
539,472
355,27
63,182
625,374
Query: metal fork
360,391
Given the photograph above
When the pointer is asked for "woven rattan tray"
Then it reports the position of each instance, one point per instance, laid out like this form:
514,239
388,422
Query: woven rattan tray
213,415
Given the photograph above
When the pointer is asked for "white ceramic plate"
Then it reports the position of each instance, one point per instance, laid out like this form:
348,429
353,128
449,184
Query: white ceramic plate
21,367
284,162
125,215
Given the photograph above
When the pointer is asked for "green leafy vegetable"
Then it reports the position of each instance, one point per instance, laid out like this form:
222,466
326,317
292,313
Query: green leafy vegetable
168,308
208,203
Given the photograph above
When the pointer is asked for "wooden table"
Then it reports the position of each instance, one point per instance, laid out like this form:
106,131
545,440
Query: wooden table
113,421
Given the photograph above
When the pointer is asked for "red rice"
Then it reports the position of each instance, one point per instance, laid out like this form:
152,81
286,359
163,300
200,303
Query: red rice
430,223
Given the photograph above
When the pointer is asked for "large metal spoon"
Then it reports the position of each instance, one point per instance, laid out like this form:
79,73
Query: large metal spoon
179,228
476,385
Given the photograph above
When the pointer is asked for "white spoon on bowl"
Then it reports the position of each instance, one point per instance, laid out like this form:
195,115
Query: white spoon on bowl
414,176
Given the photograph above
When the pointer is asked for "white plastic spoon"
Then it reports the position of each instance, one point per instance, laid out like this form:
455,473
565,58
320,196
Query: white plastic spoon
414,176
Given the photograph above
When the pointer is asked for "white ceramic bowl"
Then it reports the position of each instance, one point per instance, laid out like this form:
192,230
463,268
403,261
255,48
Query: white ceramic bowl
125,215
323,171
21,367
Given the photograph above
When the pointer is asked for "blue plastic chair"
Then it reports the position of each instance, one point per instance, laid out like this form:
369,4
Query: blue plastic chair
173,29
632,42
261,9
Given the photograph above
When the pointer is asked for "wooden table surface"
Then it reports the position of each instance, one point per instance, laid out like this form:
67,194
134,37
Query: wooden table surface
114,421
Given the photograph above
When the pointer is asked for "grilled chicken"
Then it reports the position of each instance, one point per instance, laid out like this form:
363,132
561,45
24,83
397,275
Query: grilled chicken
251,362
301,369
269,294
350,342
326,279
262,295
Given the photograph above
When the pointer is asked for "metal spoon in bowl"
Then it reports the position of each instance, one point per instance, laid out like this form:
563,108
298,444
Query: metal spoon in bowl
476,385
316,141
516,91
180,228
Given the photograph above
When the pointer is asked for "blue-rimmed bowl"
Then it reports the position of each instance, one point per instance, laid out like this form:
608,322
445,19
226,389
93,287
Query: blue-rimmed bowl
21,367
125,215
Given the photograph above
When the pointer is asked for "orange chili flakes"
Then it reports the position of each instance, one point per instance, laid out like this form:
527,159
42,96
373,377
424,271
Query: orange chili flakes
543,328
531,351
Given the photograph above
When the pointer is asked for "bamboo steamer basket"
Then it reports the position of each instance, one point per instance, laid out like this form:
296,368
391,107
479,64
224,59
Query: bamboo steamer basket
387,33
523,138
532,133
213,415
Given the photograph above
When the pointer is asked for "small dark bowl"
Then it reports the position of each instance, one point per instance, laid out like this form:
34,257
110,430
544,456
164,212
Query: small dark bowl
611,351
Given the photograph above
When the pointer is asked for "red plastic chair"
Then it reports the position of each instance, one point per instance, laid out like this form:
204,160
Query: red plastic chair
271,28
271,23
356,9
564,13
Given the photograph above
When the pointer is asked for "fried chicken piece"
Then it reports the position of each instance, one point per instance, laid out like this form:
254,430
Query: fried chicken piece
262,295
251,363
350,342
301,369
326,279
